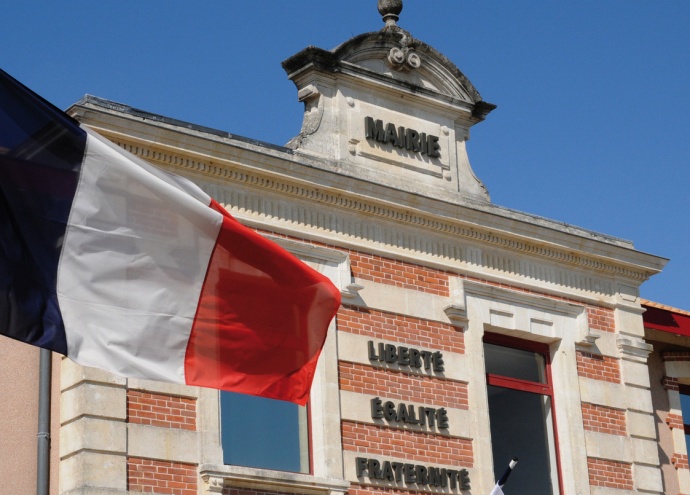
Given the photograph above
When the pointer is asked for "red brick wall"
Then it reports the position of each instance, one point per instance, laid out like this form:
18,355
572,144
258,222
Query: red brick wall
610,474
603,419
680,461
671,383
166,478
398,328
601,319
402,386
426,447
598,367
675,356
162,410
674,421
399,273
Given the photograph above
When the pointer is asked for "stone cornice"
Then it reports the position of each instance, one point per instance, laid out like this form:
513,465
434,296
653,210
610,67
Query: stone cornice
272,176
392,213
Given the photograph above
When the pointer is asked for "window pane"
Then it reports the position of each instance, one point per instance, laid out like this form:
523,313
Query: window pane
685,407
514,363
521,426
263,433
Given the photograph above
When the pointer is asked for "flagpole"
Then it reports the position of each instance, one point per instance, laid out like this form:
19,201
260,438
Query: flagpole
44,390
498,489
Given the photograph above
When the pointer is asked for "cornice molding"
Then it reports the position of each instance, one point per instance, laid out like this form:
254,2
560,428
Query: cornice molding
387,212
280,200
634,348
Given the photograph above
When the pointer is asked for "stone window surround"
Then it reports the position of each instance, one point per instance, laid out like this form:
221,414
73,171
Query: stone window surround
559,324
325,442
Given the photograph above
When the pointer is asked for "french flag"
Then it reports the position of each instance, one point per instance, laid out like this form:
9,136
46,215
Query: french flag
498,489
124,267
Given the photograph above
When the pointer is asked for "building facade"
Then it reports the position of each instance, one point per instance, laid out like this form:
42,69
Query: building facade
468,334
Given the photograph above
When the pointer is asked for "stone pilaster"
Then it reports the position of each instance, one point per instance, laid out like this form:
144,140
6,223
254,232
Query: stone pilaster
93,433
634,352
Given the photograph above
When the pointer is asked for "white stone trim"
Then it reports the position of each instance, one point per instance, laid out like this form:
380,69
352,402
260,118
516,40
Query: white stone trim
647,478
513,313
678,369
163,388
400,300
163,444
512,297
602,490
641,425
93,434
215,477
602,393
634,349
95,472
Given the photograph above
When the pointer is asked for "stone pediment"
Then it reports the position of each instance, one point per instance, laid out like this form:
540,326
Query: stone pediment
391,109
395,54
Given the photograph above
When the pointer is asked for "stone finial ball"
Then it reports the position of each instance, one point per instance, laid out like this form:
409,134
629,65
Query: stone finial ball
390,7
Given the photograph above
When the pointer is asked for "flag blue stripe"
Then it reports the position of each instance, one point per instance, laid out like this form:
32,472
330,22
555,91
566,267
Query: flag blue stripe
41,151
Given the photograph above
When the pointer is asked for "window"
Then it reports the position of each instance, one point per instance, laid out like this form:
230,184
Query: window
520,397
685,409
264,433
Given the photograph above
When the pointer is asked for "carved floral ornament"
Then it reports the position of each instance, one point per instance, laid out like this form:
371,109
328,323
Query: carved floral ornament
400,58
404,58
212,483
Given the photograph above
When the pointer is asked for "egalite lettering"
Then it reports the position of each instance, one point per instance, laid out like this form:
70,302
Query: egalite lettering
409,139
412,474
406,356
408,414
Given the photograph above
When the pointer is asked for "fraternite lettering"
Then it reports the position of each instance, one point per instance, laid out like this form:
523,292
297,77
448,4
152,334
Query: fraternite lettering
406,356
416,474
409,139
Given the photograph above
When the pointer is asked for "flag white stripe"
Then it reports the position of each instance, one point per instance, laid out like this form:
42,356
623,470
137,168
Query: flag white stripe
131,270
496,491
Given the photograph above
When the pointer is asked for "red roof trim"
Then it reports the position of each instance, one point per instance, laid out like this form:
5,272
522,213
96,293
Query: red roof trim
666,321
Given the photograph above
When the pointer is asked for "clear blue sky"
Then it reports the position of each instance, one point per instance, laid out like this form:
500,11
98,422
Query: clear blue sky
593,120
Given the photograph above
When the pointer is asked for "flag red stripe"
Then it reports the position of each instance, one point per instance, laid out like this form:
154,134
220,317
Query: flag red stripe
262,318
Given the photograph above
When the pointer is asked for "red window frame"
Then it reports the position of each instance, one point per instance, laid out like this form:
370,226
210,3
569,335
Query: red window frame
529,386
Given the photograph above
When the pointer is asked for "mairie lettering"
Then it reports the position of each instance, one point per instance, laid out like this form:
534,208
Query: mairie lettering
413,474
409,139
406,356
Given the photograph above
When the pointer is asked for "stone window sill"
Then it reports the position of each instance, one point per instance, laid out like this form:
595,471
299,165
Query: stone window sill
217,477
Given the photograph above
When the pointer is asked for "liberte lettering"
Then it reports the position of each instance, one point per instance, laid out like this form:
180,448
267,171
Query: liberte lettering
406,356
409,139
409,414
413,474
